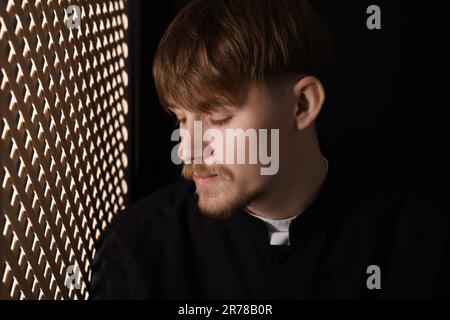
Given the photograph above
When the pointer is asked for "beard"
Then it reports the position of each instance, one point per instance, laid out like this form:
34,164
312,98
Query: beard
218,199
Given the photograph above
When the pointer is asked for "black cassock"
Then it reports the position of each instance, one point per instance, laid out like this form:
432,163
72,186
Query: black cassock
361,238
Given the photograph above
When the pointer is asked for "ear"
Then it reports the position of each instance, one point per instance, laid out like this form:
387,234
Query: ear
309,96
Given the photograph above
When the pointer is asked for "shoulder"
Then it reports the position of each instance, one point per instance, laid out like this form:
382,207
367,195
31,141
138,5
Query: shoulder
153,215
165,201
401,205
135,234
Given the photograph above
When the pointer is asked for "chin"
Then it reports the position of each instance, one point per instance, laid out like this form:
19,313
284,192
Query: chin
222,204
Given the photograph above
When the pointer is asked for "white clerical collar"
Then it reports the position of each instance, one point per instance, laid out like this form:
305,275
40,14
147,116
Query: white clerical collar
279,228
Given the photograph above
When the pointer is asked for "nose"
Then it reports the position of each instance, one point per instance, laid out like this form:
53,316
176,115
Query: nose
192,146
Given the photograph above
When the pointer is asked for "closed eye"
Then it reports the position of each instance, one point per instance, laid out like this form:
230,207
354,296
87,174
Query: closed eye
221,122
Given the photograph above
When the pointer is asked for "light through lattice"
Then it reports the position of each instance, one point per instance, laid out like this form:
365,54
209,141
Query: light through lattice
63,141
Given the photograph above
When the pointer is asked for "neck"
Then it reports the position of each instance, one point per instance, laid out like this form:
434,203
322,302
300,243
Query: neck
295,187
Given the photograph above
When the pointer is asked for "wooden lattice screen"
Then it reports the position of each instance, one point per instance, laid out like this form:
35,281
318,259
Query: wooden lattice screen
63,149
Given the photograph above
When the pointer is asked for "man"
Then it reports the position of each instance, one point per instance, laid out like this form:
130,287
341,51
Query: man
308,230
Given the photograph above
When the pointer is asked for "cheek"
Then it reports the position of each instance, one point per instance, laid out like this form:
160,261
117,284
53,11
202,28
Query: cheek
248,178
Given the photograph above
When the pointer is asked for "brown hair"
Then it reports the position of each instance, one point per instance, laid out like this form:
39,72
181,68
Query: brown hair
214,49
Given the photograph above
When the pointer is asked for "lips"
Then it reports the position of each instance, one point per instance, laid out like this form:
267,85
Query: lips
204,180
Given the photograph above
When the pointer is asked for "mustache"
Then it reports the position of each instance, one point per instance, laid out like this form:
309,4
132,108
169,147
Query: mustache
204,170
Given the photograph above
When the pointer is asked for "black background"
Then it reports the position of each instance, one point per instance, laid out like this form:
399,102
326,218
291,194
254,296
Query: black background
387,107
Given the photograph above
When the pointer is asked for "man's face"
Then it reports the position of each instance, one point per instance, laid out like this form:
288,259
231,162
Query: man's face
223,188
